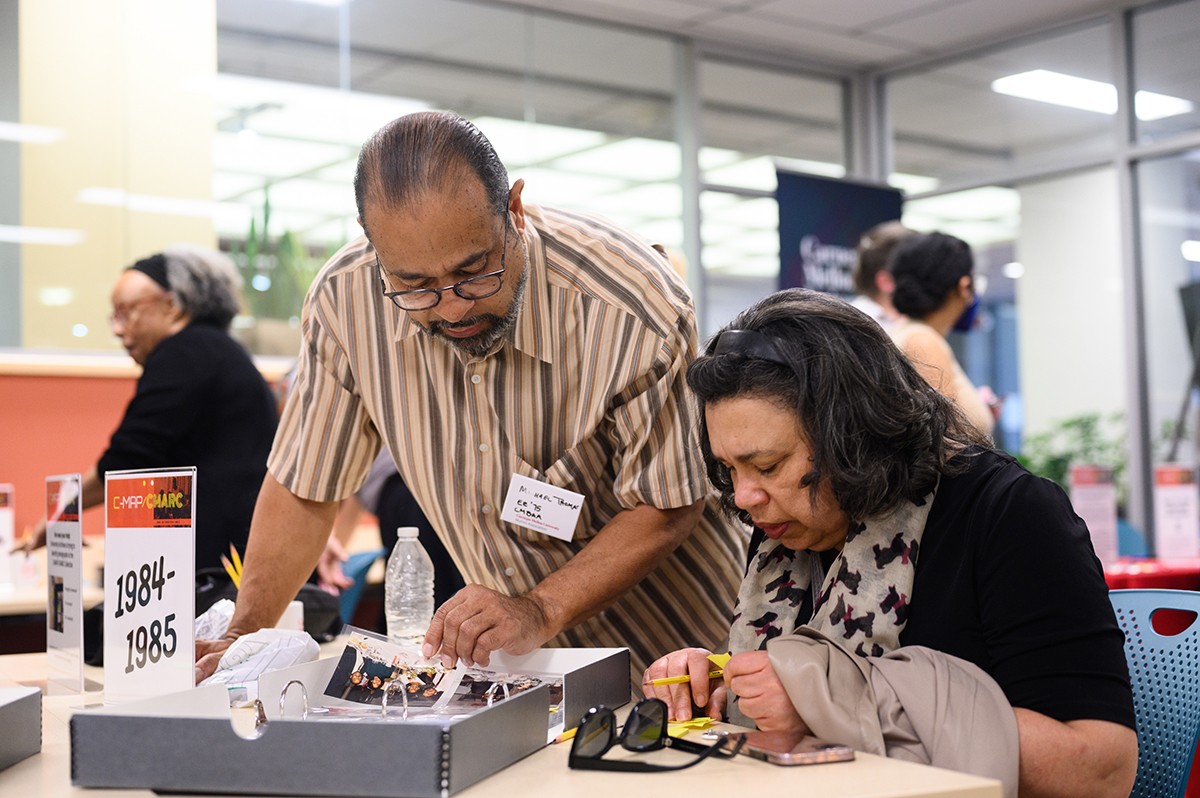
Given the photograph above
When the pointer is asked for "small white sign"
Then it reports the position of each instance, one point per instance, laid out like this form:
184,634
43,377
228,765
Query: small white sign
149,583
64,580
1094,498
10,565
1176,512
541,507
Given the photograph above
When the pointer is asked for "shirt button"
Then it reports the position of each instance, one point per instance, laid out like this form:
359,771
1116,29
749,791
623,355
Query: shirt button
483,447
509,571
487,508
476,379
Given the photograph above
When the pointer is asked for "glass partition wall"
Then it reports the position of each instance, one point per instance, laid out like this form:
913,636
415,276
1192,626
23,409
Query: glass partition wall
1065,158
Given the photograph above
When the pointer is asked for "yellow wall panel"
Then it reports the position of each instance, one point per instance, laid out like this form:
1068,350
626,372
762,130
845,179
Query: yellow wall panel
125,80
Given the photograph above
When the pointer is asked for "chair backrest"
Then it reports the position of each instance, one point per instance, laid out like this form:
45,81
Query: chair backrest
1165,672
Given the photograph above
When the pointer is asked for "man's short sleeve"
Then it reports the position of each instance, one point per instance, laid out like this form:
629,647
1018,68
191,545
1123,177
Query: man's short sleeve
326,440
657,455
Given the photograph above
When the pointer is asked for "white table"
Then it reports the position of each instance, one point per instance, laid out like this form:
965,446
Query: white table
543,774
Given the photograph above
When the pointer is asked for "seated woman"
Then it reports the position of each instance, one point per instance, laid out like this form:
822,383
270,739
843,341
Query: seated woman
935,292
885,527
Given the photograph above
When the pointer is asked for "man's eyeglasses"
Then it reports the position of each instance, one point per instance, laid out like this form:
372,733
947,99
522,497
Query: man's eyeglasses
645,730
121,310
481,286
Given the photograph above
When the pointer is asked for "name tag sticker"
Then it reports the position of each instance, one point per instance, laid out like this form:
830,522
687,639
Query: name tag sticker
543,508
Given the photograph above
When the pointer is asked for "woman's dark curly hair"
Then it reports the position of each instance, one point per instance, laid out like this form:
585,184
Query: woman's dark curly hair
926,268
878,432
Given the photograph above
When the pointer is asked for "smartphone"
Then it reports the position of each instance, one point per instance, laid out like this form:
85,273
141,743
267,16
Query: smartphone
790,748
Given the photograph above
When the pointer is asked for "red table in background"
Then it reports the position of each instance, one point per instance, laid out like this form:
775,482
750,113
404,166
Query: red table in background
1128,573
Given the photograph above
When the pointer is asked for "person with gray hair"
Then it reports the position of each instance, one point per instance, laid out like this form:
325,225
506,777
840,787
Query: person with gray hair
200,400
204,282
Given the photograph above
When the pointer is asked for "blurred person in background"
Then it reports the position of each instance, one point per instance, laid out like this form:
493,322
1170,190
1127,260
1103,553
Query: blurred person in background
935,292
385,495
872,280
200,400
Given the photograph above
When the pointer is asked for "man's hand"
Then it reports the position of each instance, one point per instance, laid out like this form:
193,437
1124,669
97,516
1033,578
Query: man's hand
691,662
208,656
760,693
329,567
477,621
287,536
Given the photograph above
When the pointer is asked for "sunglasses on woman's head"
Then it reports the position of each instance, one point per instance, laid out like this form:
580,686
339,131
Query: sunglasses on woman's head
645,730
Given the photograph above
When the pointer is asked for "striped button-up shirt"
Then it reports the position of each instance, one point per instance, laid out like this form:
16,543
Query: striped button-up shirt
587,394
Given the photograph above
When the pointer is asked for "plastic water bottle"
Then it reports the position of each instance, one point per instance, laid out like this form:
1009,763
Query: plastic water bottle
408,590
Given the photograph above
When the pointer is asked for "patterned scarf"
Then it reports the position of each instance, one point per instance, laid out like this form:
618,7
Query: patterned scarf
863,599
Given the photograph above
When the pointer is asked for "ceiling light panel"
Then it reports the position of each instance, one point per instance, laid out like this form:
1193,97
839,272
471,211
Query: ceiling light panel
313,195
552,187
712,202
232,185
653,200
233,220
293,221
913,184
750,214
987,203
668,232
57,236
334,232
338,174
1087,95
634,159
271,157
756,173
302,110
32,134
521,143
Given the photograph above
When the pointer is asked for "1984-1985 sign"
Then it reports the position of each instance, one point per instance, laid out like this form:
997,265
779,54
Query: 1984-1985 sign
136,589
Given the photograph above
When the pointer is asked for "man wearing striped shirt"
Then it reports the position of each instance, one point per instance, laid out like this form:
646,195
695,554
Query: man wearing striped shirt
478,338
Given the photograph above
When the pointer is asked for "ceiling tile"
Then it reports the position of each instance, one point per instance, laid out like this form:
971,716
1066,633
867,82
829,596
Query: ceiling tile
847,16
981,20
793,38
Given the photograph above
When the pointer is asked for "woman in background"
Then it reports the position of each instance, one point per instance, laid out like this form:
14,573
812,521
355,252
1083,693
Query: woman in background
935,292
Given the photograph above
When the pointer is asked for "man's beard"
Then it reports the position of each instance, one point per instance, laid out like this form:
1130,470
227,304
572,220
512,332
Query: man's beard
481,344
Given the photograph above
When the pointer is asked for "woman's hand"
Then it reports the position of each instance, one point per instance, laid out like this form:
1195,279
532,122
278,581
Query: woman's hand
691,662
761,696
33,538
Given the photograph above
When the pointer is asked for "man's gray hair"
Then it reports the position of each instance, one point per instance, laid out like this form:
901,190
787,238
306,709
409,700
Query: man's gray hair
204,282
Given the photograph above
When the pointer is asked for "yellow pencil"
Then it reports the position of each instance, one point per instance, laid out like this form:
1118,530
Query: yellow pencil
567,735
237,560
681,679
233,574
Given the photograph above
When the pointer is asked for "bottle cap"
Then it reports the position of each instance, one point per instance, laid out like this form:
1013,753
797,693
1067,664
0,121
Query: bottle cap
407,532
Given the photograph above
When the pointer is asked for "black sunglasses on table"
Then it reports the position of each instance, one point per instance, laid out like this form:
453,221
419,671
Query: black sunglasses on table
645,730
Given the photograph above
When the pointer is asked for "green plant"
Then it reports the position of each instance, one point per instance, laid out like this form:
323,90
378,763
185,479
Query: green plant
277,273
1088,439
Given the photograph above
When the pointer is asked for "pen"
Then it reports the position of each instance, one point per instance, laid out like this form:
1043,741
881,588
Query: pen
682,679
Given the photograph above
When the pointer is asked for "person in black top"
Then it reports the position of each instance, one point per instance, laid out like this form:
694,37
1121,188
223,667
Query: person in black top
884,520
200,400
